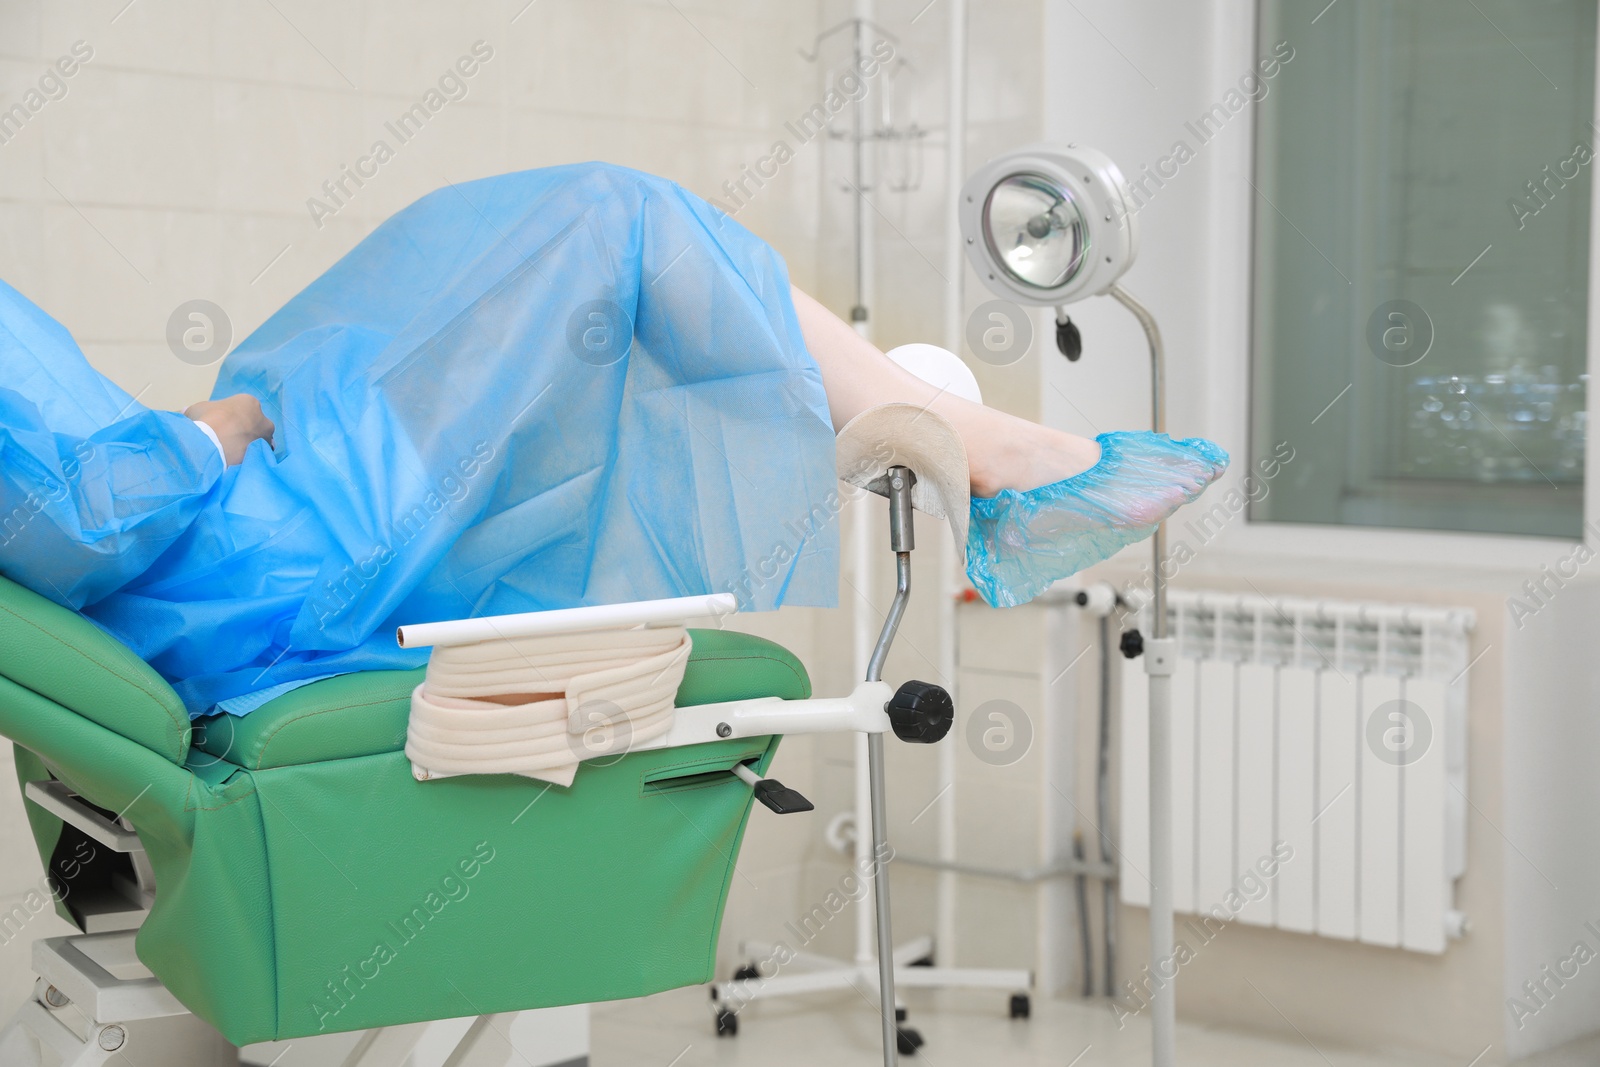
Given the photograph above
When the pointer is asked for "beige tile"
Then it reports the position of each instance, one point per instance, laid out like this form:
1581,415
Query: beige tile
916,798
22,138
567,56
461,142
546,139
998,926
128,137
276,144
914,896
169,37
20,29
407,46
998,827
723,8
788,83
23,868
657,147
126,269
688,67
267,259
22,259
91,285
296,42
1010,639
998,727
261,263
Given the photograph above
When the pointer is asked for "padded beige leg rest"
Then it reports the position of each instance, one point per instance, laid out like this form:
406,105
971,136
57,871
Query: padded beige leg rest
907,435
583,695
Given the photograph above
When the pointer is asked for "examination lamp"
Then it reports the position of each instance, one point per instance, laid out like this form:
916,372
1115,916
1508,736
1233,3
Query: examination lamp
1050,225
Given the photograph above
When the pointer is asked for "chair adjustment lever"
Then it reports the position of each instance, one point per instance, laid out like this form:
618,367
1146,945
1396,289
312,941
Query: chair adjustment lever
773,793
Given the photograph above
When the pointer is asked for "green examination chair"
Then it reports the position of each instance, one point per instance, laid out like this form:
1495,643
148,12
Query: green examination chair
288,876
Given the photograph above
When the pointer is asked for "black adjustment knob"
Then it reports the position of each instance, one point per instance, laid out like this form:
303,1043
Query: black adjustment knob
1132,644
1068,340
921,713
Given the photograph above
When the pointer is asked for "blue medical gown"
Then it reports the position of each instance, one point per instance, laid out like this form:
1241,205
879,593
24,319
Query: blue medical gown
580,385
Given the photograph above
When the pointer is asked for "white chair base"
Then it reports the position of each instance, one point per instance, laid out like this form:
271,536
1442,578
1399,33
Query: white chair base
811,973
96,1005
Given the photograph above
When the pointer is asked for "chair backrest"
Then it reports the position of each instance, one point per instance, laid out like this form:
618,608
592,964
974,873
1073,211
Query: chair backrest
64,657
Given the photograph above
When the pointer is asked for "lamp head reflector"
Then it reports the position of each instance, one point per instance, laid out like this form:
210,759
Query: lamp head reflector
1048,225
1035,230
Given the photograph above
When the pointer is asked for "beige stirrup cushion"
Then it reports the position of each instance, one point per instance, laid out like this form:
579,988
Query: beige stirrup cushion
907,435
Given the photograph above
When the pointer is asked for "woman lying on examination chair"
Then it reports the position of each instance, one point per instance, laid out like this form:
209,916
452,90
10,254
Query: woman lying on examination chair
580,385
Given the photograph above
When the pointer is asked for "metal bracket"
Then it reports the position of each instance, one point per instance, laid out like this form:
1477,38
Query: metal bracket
54,796
1160,655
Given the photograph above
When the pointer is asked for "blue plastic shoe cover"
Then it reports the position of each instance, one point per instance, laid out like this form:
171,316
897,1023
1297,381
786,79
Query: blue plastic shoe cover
1020,543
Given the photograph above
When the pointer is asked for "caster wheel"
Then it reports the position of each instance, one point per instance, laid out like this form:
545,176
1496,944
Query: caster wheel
727,1023
926,961
908,1040
747,972
1021,1006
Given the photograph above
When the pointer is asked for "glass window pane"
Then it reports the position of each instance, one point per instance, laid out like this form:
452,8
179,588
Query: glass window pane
1421,263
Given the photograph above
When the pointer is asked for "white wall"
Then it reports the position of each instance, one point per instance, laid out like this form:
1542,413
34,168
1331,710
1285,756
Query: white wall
1552,797
1126,78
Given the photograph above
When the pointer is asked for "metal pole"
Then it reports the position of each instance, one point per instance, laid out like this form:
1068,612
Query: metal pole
1158,663
880,842
1163,1000
858,174
861,530
950,553
1108,905
901,541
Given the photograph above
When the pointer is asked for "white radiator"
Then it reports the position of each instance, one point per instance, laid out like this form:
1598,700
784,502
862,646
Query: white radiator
1335,728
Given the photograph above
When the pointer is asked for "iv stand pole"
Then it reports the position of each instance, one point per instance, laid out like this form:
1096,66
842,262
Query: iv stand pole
1159,657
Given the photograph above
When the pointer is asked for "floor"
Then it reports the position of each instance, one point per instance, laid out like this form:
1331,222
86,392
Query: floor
675,1030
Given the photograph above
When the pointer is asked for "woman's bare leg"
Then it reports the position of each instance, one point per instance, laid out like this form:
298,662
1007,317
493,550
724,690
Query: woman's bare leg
1003,451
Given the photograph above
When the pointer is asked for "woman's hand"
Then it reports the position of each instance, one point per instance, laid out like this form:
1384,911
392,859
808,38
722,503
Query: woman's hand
237,420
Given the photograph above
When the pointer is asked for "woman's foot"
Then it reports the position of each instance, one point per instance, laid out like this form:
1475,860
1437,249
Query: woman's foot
1005,452
1045,504
1019,543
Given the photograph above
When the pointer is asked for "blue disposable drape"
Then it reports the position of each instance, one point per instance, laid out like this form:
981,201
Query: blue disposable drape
578,385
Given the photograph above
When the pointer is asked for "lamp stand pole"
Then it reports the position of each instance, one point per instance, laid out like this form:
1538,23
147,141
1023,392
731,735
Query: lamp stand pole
1160,653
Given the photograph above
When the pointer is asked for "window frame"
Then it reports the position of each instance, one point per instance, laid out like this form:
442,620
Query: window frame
1235,46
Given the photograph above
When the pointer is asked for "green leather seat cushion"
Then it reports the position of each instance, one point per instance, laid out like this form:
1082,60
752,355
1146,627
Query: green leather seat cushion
64,657
365,714
296,855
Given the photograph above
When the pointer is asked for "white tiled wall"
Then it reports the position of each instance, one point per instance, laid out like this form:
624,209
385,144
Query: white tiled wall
180,160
